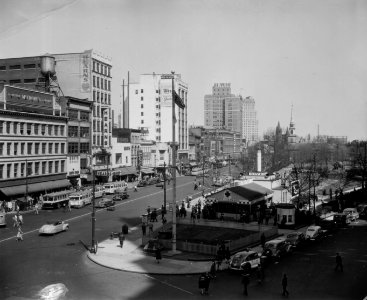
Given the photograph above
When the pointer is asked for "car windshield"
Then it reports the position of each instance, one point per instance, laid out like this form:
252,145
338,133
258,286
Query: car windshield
310,229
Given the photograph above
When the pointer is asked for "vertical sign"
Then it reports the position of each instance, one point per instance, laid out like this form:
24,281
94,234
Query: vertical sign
85,69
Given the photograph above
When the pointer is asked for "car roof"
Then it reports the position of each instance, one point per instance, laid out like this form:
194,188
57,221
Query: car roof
275,241
245,253
313,227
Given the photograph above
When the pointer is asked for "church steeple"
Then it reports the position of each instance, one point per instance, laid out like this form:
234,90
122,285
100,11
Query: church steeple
292,128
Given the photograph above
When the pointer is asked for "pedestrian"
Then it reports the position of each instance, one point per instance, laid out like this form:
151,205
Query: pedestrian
158,255
195,186
213,270
144,228
339,263
207,284
262,240
164,220
227,255
121,239
202,283
69,206
284,285
150,225
245,281
260,274
36,209
20,234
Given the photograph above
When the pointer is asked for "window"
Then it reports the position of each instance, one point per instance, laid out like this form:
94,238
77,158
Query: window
44,148
105,84
16,167
142,122
97,82
73,131
50,167
29,148
15,127
141,105
49,148
22,146
84,147
141,98
36,168
36,129
73,148
136,92
94,81
30,80
8,127
109,85
62,166
84,116
1,148
21,128
8,170
1,171
16,148
29,66
14,67
56,148
14,81
109,99
1,126
56,167
2,68
56,129
141,91
73,114
62,148
29,129
62,130
142,113
49,129
43,167
8,148
94,66
84,132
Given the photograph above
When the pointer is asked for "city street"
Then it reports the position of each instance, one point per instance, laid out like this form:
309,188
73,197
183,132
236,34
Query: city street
29,266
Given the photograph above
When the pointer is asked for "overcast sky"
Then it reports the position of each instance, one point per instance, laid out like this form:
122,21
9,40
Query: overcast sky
310,53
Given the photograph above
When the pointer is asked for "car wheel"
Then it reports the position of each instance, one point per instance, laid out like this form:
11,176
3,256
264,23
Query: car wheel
66,228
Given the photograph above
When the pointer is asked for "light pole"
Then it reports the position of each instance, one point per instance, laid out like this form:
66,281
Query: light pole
93,248
164,185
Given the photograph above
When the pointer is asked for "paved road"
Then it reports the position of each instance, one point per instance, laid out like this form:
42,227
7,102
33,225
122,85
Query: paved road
27,267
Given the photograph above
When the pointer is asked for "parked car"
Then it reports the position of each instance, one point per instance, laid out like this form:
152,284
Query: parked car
54,227
244,260
276,248
362,211
314,233
351,213
295,239
120,196
105,202
142,183
160,183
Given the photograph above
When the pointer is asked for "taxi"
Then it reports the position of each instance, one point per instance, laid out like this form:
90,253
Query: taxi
244,260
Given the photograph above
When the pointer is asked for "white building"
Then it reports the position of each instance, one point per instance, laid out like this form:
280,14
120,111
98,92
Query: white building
150,110
250,126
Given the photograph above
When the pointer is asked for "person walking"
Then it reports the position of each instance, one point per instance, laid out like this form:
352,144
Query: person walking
20,234
213,270
207,284
339,262
69,206
245,281
202,283
284,285
121,239
260,274
158,255
36,208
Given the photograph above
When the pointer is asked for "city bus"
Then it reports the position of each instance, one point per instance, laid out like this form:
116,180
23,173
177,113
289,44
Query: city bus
82,198
111,187
2,219
56,199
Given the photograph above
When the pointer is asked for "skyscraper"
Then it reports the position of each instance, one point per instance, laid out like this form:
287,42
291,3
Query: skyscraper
250,125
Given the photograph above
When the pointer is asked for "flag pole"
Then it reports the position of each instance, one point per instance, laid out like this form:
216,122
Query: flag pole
173,166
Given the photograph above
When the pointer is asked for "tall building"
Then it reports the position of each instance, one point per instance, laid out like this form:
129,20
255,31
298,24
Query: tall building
150,110
32,143
250,126
214,105
85,75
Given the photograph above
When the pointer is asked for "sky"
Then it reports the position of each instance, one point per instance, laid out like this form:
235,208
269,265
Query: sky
311,54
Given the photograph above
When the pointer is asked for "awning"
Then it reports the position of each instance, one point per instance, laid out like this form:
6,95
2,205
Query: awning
124,171
34,187
147,171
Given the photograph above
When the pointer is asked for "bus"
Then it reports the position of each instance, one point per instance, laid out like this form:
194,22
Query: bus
98,191
111,187
2,219
56,199
81,199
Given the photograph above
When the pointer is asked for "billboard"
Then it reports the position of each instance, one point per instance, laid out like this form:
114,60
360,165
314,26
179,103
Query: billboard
85,71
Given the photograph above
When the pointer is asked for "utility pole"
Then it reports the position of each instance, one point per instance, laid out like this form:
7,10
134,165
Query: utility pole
26,181
203,170
173,165
314,187
93,248
229,159
164,185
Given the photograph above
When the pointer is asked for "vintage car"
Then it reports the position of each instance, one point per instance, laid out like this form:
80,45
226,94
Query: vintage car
120,196
244,260
276,248
295,239
54,227
351,213
105,202
160,183
142,183
314,233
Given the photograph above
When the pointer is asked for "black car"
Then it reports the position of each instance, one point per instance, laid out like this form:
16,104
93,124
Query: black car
120,196
105,202
295,239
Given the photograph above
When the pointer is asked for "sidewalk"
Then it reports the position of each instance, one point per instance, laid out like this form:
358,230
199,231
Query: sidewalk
132,258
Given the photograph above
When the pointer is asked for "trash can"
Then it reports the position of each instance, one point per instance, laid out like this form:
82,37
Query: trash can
125,229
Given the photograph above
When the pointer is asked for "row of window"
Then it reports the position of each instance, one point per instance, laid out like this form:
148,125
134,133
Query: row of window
101,83
102,69
100,97
17,170
75,131
101,141
74,148
22,128
97,111
19,67
31,148
78,115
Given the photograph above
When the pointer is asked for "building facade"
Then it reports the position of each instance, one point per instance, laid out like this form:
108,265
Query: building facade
250,126
150,110
33,143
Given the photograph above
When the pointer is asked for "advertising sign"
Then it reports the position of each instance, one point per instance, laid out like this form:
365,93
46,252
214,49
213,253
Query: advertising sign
85,70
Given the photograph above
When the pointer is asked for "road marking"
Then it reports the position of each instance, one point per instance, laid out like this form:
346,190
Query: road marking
168,284
97,210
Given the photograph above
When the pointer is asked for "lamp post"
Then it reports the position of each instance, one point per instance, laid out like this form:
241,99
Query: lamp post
164,185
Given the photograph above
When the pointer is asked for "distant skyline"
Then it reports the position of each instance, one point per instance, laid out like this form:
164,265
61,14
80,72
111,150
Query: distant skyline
307,52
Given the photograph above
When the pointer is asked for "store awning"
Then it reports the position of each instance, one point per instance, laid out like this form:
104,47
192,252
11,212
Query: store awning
124,171
34,187
147,171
